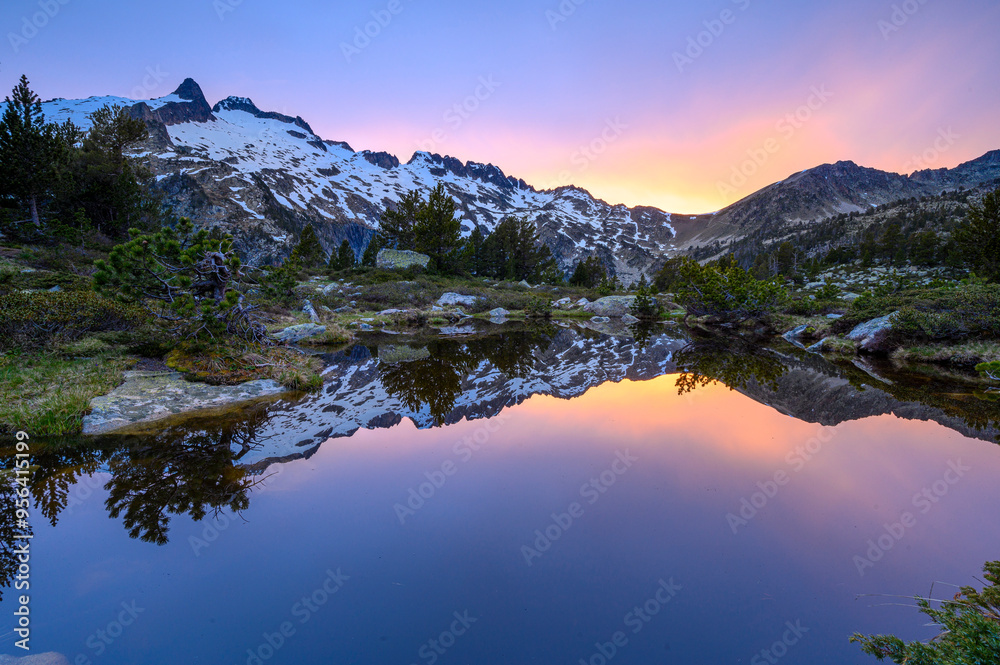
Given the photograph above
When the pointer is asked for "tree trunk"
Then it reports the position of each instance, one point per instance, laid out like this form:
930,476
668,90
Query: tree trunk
33,204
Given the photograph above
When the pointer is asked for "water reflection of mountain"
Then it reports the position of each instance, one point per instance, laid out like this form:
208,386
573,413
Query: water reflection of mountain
810,388
204,464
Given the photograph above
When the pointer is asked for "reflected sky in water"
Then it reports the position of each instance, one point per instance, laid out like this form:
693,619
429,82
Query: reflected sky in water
220,586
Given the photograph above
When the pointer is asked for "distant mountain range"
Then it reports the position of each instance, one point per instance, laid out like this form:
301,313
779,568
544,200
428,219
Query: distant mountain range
264,176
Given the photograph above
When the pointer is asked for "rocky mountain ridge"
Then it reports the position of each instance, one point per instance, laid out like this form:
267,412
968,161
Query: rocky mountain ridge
264,176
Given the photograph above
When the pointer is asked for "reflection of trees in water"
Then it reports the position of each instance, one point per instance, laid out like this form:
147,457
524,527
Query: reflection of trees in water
732,361
184,470
8,530
188,469
436,381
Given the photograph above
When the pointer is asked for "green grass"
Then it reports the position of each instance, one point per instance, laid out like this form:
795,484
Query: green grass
46,394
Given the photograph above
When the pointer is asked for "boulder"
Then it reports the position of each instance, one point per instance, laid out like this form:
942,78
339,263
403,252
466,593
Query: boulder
871,336
453,299
394,259
564,303
329,289
525,284
795,333
499,313
582,302
310,311
611,306
295,334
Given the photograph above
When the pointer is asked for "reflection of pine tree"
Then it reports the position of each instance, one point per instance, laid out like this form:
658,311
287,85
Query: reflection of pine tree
732,361
189,469
436,382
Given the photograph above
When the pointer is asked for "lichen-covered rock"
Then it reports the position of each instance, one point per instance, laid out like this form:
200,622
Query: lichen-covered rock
150,396
612,306
499,314
453,299
394,259
873,335
298,333
310,311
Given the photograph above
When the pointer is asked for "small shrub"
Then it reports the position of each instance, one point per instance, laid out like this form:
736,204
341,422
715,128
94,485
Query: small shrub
34,320
538,308
970,629
645,307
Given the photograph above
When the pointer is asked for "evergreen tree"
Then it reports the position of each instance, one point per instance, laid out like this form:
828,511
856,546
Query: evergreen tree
111,189
397,226
345,257
31,150
370,257
978,239
589,273
473,253
185,277
437,231
309,252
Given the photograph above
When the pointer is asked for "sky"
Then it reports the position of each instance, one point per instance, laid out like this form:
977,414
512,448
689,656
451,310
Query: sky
686,106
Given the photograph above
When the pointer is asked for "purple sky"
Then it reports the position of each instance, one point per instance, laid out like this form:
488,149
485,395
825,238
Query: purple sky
616,97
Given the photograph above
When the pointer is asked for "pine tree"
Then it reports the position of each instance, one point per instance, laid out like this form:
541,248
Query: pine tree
185,277
110,187
589,273
345,257
309,252
31,150
978,239
397,226
370,257
437,231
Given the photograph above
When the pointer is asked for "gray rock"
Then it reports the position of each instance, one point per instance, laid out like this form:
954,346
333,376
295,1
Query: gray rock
435,308
628,318
525,284
387,312
329,289
151,396
815,285
582,302
364,327
341,310
55,289
818,346
394,259
834,317
564,303
452,299
795,333
600,319
499,313
850,297
310,311
295,334
611,306
870,335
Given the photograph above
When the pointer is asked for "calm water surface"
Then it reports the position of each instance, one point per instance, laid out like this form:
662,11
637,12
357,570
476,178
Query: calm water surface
555,498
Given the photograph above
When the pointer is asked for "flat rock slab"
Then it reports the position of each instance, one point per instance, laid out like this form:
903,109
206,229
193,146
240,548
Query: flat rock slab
150,396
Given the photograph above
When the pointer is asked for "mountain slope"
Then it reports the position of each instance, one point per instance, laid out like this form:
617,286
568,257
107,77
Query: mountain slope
265,176
831,189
